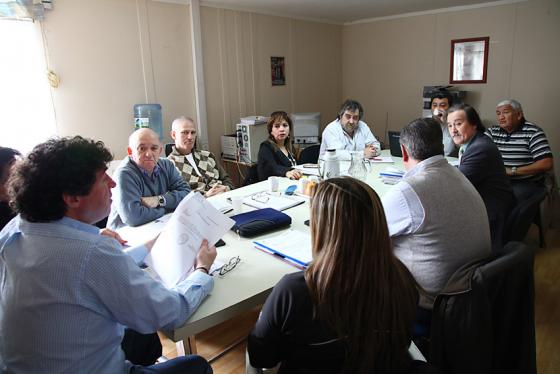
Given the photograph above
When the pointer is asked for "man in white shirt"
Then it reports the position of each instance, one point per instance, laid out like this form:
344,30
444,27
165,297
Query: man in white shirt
349,133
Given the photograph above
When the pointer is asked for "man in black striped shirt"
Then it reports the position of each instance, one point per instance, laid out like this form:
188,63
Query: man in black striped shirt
524,148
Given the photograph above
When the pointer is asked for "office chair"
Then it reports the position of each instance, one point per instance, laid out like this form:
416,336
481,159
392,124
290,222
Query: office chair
309,155
521,216
168,148
483,321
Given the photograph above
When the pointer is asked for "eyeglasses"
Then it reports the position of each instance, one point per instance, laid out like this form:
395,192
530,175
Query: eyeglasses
230,265
261,197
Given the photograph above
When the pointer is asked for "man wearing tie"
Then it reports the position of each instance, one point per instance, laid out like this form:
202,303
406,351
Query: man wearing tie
481,162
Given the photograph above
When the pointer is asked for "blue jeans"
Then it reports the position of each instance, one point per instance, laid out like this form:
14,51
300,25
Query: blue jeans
191,364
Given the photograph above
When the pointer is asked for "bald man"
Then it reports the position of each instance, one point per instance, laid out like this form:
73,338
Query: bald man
148,186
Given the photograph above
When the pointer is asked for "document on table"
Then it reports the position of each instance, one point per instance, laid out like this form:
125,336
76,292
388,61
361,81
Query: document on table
292,245
382,160
221,205
308,169
174,252
278,201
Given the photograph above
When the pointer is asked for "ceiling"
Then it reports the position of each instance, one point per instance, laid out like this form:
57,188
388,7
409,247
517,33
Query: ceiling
348,11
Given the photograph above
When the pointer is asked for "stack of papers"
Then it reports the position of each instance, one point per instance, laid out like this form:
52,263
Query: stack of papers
264,199
391,175
174,252
293,246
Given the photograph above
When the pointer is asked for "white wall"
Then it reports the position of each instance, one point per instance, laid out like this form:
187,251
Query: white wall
111,55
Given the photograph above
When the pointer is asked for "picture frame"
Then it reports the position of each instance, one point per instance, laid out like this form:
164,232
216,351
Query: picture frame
277,69
469,60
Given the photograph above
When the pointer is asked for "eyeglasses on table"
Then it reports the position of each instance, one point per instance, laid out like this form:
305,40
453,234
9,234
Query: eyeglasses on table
229,266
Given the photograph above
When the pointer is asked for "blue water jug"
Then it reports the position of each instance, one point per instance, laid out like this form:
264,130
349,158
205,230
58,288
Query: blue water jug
148,115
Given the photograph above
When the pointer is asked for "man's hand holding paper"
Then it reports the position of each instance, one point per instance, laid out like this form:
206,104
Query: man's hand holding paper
179,244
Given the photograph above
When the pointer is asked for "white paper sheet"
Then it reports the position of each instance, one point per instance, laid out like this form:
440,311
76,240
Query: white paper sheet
293,245
382,160
278,201
308,169
174,252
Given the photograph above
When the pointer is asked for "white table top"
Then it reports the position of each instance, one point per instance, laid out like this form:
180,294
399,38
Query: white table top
252,280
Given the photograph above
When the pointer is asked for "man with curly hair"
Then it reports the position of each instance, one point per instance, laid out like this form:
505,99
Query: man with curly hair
66,292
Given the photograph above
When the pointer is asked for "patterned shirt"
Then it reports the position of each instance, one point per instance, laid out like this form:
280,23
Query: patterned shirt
522,147
211,172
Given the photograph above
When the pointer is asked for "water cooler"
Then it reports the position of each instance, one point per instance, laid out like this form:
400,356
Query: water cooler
148,115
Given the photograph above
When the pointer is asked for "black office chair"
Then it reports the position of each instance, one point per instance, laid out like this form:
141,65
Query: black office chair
309,155
168,148
483,322
521,217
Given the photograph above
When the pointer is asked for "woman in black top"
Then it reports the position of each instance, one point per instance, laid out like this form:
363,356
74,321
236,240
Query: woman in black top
7,158
276,156
353,309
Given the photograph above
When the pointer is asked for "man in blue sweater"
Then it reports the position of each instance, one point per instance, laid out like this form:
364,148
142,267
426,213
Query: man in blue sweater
148,186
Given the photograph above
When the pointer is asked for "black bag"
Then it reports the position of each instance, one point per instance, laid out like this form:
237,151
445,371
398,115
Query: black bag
260,221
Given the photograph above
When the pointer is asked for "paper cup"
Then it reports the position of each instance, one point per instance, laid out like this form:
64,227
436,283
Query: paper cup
237,204
273,184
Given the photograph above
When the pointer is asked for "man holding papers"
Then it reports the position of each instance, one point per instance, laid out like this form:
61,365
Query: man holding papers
67,292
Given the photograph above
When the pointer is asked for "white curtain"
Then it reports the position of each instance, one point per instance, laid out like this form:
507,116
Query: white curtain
27,115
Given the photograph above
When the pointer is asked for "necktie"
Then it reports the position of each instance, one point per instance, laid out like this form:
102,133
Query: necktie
461,151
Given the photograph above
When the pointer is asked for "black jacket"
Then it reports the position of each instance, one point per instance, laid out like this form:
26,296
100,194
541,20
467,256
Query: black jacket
483,321
483,166
272,162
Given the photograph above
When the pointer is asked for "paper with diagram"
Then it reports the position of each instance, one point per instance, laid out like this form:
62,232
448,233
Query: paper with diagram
174,253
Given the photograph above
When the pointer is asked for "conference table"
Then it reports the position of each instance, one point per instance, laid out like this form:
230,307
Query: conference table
251,281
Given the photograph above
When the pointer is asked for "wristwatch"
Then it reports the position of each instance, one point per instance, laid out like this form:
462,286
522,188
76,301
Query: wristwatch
161,201
514,171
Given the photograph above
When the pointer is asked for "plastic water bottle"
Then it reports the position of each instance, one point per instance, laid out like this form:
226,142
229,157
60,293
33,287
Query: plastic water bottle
148,115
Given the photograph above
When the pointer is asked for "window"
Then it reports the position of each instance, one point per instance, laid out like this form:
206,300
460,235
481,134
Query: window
27,115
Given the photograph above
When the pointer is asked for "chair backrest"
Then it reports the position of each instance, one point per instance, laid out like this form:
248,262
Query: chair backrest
394,143
309,155
168,148
487,324
521,217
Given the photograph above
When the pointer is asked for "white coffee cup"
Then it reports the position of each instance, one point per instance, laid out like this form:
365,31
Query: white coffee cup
273,184
237,204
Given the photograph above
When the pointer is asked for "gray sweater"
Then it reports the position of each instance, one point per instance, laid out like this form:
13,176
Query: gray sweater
438,223
133,183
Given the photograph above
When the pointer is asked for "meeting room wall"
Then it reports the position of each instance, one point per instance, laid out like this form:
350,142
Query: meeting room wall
395,58
237,47
111,55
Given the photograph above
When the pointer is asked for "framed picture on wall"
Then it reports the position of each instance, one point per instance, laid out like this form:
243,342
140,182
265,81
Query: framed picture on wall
277,71
469,60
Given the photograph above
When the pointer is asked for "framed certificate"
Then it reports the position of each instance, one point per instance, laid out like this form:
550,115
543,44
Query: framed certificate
469,60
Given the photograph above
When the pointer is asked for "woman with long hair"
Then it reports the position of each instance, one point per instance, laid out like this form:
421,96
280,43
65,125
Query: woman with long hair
353,309
276,154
